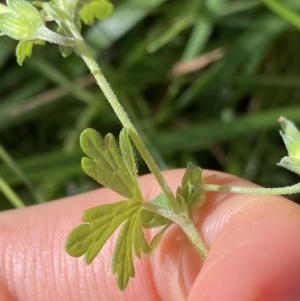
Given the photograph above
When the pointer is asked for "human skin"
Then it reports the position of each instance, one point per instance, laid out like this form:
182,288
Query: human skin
253,242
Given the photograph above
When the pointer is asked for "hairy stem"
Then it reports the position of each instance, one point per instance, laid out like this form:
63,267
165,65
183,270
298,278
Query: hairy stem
186,224
154,169
123,117
103,84
250,190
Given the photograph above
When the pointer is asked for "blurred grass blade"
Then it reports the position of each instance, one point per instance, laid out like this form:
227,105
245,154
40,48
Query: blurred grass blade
200,135
54,164
13,166
198,39
284,12
239,6
170,34
252,43
10,194
55,75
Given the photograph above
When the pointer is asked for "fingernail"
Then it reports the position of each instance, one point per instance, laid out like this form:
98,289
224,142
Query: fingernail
176,265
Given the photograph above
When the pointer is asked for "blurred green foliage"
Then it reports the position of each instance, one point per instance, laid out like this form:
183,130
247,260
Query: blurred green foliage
219,111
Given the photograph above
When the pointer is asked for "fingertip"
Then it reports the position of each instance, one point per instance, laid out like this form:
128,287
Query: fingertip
35,266
252,250
175,262
254,256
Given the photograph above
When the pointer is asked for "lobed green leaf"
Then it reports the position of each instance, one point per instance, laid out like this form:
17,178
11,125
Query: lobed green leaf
102,221
131,237
89,238
139,241
106,165
122,262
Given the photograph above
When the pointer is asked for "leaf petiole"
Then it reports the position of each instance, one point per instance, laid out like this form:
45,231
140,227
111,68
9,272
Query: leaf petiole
254,190
186,224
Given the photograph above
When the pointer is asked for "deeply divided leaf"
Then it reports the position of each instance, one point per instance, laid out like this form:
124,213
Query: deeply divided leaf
100,223
106,165
122,262
139,243
131,238
89,238
116,169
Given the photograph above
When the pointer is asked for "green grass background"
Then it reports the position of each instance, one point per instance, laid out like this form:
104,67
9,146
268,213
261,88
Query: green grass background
222,116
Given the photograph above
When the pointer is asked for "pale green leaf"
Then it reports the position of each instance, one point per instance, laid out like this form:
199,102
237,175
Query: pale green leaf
94,213
95,9
122,262
290,163
100,223
65,51
25,23
23,49
17,27
79,240
150,219
105,164
103,220
131,237
139,241
25,9
93,235
291,137
161,201
22,22
128,153
191,190
4,9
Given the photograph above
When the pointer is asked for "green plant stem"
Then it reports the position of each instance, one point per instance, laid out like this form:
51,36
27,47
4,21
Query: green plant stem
121,114
103,84
250,190
138,142
10,194
186,224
